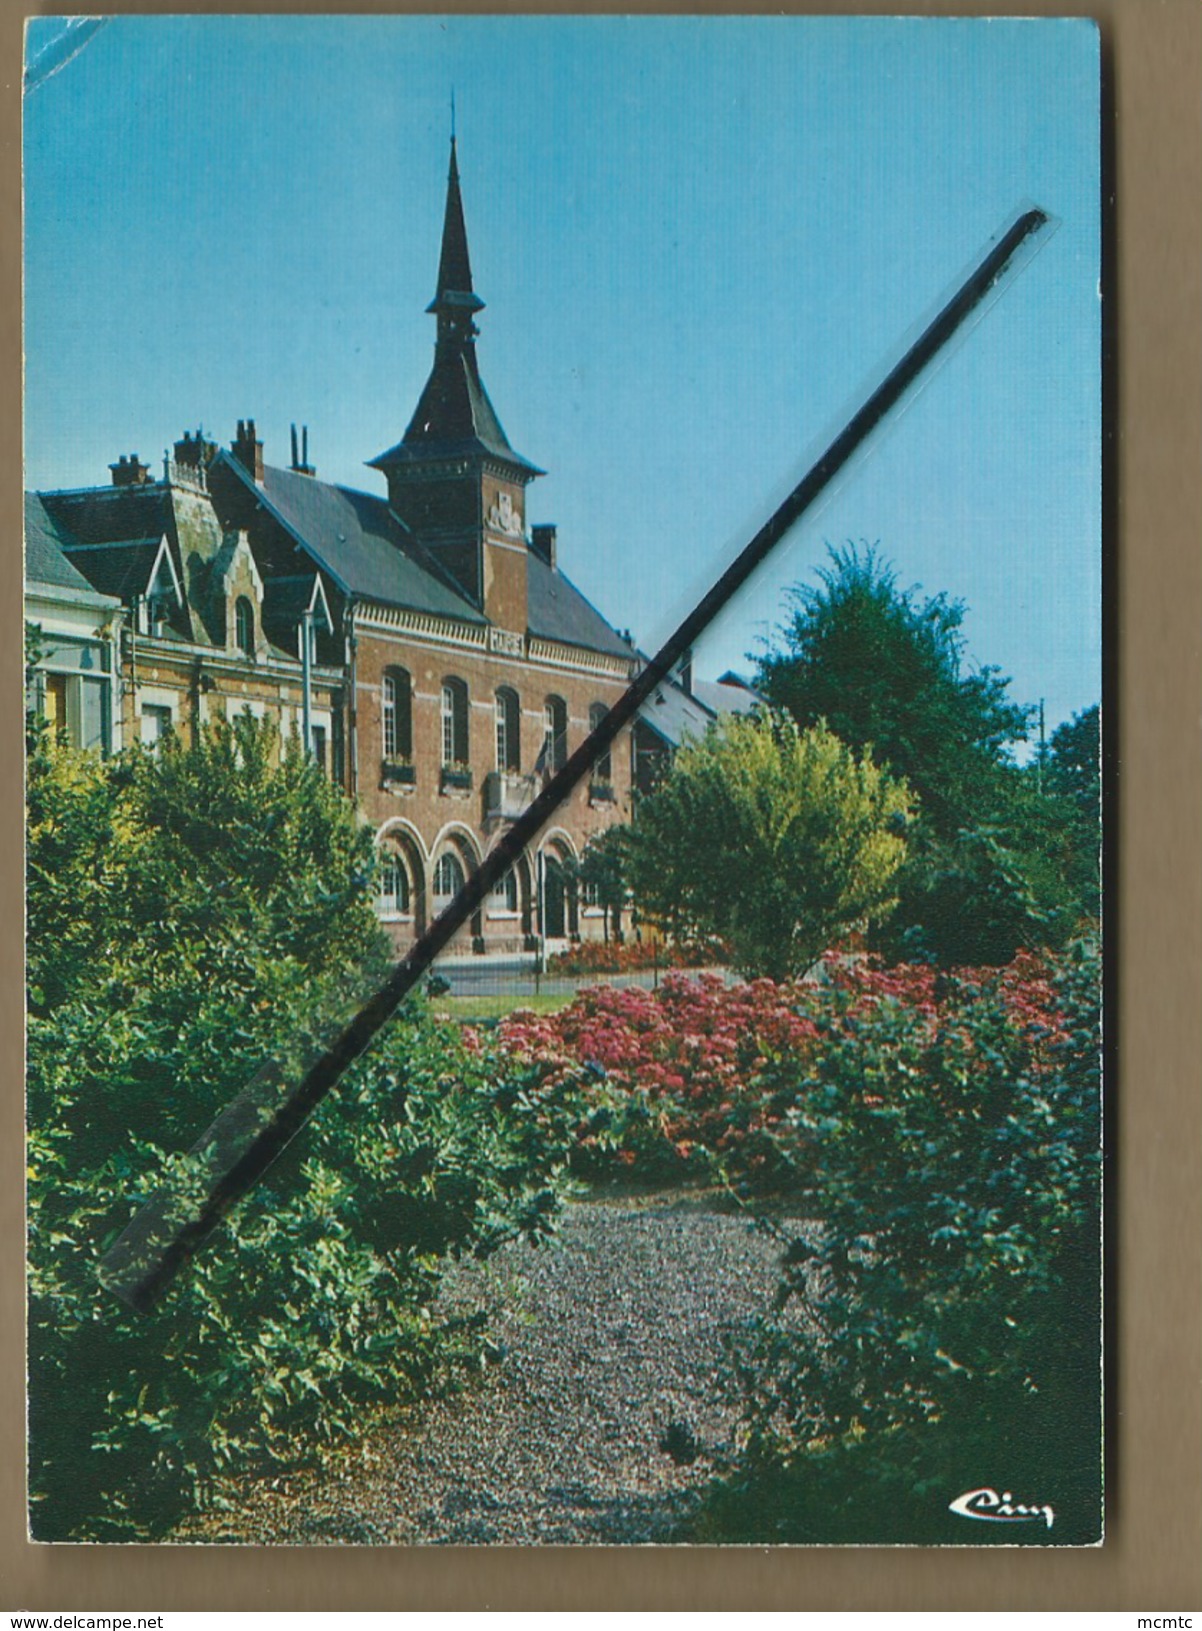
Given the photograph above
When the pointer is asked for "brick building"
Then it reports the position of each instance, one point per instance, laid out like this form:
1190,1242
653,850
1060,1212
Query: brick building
424,642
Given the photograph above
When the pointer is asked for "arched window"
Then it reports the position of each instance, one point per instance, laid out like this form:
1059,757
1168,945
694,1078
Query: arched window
244,626
603,770
454,722
505,895
555,734
448,879
509,730
398,715
394,884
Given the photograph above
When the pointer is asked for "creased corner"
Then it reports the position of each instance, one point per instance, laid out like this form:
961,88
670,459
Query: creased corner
68,39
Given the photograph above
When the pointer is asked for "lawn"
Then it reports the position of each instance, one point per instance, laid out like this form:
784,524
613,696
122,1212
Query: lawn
498,1004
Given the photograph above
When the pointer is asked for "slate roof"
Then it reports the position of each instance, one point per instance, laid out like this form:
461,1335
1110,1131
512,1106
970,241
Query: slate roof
454,263
673,714
45,561
556,610
354,537
454,419
724,697
105,515
358,541
122,569
286,599
363,546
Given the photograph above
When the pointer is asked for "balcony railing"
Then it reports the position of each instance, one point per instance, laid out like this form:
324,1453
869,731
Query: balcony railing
507,795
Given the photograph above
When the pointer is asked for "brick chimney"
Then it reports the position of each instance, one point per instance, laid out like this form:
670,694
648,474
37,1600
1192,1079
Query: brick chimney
193,452
248,450
542,541
129,471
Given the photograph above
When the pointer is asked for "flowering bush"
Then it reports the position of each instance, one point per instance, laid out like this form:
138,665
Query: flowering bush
700,1070
632,956
937,1317
937,1328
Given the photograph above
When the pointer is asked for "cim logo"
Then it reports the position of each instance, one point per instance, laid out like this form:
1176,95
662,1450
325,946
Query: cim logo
990,1507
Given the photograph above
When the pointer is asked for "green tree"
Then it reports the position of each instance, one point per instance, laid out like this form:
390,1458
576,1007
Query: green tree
191,914
603,869
776,839
1073,764
991,866
885,669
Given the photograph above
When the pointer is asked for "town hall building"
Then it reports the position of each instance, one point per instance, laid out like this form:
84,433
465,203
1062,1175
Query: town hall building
423,644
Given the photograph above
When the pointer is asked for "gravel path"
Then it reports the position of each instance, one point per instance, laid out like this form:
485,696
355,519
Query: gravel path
609,1338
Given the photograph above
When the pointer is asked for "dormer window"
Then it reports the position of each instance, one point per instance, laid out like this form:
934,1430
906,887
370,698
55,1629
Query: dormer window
244,626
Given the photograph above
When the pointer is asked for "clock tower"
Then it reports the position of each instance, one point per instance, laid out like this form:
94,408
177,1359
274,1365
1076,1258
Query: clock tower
453,478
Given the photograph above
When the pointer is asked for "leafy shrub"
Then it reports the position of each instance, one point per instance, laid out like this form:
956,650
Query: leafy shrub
937,1136
939,1329
190,915
778,840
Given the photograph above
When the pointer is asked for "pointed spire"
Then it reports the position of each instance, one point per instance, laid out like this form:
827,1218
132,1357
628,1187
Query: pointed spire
454,265
454,416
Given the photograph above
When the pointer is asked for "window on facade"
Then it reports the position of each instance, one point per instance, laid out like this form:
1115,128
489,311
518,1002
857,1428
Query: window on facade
505,895
317,735
394,885
244,626
454,722
509,741
603,770
555,734
54,705
448,879
398,715
156,722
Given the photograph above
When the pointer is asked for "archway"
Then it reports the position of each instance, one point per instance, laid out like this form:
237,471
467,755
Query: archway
456,857
560,905
403,895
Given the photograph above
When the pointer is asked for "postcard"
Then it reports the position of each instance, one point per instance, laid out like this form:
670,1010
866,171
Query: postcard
563,678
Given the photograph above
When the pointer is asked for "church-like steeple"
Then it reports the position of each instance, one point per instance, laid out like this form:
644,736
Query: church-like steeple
454,416
453,478
455,291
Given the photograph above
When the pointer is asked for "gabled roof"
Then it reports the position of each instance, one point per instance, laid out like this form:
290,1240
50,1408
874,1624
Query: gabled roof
356,539
286,600
367,551
672,713
45,562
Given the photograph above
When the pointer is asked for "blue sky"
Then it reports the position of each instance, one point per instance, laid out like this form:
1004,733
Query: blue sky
698,239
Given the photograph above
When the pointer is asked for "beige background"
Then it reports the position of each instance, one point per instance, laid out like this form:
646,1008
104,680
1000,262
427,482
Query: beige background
1151,1559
